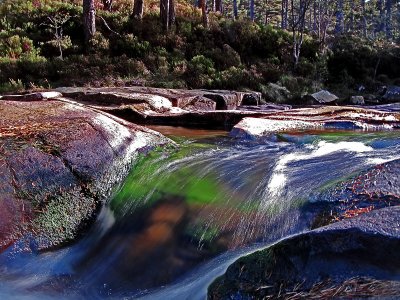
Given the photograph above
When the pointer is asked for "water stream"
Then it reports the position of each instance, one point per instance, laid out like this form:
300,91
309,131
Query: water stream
184,215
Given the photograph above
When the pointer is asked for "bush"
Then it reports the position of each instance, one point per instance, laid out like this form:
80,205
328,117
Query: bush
16,47
131,46
99,44
299,86
12,86
200,72
238,78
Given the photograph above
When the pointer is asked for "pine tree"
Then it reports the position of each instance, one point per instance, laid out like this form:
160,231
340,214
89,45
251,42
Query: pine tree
89,20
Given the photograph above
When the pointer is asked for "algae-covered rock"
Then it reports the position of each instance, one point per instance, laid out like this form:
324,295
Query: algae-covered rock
59,162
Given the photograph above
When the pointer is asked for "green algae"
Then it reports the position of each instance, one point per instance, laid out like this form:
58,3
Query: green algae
145,184
309,137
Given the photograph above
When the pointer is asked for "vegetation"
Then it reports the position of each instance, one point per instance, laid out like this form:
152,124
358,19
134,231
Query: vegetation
300,44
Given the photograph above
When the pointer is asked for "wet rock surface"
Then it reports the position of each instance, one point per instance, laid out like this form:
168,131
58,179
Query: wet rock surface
144,105
155,100
59,162
381,182
328,117
220,109
364,248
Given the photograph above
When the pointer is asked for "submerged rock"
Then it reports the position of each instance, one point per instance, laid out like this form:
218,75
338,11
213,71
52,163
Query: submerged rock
366,248
59,161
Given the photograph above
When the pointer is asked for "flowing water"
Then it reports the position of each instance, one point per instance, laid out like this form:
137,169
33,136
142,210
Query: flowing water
185,214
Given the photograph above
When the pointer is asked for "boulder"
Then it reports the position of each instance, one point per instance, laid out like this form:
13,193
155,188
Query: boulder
157,100
315,118
392,94
59,162
357,100
33,96
255,128
370,98
380,182
364,251
250,99
200,103
219,119
321,97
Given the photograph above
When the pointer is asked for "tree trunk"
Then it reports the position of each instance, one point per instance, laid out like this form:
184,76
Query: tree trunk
235,9
218,5
172,13
364,19
339,17
314,26
107,4
204,16
388,19
284,14
89,20
298,21
351,25
164,14
252,12
138,9
380,26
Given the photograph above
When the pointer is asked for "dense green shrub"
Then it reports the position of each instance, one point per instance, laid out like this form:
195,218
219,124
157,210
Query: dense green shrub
228,55
131,46
200,72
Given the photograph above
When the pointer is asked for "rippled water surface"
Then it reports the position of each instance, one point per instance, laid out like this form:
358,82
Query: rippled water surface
184,214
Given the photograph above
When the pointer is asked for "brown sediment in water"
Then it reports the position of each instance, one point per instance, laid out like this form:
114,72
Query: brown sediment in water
187,132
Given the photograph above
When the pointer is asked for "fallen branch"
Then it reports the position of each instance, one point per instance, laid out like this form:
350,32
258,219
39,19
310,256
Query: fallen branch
108,27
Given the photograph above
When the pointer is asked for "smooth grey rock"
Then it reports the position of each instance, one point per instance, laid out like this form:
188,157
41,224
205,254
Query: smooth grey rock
39,96
144,98
392,94
367,246
357,100
332,117
322,97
